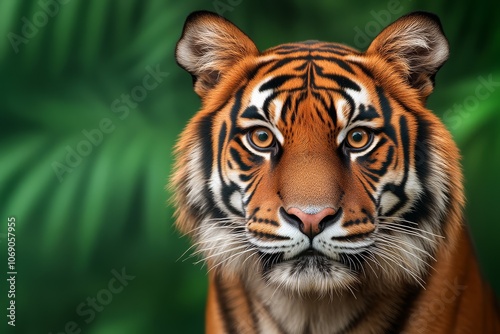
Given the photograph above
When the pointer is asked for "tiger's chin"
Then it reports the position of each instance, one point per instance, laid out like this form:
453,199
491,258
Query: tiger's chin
312,275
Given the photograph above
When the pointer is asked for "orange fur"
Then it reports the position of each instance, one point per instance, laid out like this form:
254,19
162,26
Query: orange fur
385,248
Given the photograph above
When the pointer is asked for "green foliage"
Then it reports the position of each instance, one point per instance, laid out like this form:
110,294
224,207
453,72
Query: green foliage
108,210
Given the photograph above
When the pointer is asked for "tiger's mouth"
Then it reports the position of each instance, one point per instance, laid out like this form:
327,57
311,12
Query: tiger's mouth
312,271
314,259
310,252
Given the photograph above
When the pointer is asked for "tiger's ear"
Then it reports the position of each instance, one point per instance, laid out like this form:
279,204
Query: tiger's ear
209,46
415,44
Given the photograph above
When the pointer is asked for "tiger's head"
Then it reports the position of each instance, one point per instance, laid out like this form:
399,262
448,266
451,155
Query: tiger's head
312,166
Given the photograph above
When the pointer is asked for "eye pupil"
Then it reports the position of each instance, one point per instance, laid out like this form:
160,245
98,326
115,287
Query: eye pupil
359,138
261,138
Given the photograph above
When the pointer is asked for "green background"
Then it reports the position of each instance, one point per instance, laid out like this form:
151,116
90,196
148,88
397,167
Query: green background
110,210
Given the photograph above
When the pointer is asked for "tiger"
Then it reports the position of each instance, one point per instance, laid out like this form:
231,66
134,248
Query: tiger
322,194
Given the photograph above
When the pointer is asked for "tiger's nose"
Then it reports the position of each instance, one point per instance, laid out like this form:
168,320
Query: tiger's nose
310,224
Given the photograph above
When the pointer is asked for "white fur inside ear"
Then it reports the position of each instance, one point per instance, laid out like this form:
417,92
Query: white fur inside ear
419,45
211,44
204,48
416,46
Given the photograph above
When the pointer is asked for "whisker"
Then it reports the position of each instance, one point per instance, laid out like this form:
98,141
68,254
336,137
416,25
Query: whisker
393,246
366,259
373,257
249,256
250,249
220,253
398,219
217,220
208,249
393,238
185,252
401,230
412,228
211,240
360,264
228,258
213,244
386,254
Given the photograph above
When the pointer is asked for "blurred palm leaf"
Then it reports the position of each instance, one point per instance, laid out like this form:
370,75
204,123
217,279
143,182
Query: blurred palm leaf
60,83
110,212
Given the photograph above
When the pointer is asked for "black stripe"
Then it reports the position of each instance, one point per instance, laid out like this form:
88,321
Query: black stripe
205,132
289,46
251,307
331,110
399,323
350,102
399,189
281,62
330,47
226,192
223,302
311,45
301,67
227,189
343,81
264,235
366,113
387,114
254,212
363,68
367,174
308,58
427,200
255,182
246,178
341,63
235,111
243,147
385,165
252,113
373,178
351,237
276,82
235,155
264,221
287,105
267,103
374,201
220,147
423,167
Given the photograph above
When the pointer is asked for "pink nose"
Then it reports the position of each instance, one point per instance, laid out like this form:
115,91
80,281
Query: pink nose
310,223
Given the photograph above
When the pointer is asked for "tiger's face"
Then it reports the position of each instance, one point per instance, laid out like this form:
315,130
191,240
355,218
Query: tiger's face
312,166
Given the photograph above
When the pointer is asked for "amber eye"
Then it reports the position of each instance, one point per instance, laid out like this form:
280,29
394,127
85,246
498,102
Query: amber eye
262,138
358,138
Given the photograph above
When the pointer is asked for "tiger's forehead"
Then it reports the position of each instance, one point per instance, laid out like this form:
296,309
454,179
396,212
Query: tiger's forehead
313,80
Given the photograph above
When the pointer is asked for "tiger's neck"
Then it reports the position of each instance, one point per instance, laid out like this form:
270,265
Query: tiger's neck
237,305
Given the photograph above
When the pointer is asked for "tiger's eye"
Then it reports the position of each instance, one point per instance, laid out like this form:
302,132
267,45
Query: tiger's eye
262,137
358,138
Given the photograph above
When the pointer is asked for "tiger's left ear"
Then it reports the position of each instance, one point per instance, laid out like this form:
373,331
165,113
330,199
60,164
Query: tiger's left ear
209,46
415,44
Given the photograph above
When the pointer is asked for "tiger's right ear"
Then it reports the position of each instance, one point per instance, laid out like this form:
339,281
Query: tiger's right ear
209,46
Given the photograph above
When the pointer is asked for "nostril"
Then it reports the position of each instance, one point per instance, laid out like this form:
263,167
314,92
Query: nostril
310,224
291,219
330,219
